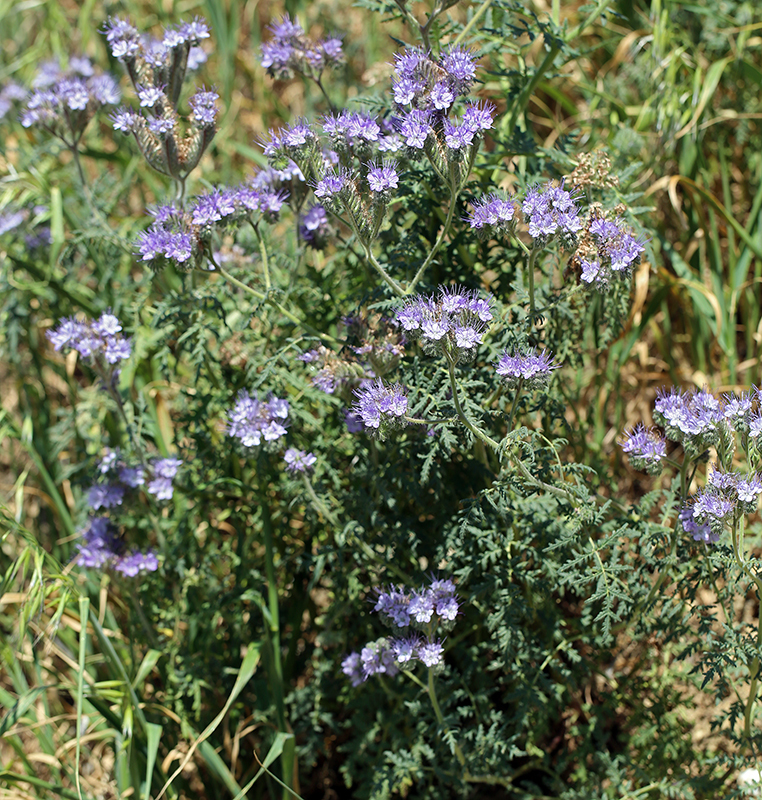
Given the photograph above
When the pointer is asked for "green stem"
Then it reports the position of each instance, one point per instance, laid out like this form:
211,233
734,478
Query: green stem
262,255
393,285
462,415
275,304
440,239
272,626
470,24
530,270
440,717
316,501
519,387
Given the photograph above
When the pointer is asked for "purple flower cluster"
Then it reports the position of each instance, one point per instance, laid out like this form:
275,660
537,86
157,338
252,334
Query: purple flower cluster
437,603
10,94
156,476
530,369
101,546
64,102
419,126
381,407
157,69
451,323
549,211
421,83
726,496
182,235
252,421
425,610
492,214
99,340
314,229
694,419
351,130
647,448
298,460
291,52
617,251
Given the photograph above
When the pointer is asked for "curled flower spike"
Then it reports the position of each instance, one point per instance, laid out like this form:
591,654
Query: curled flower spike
291,52
549,211
492,214
609,251
382,408
694,419
532,368
252,421
646,448
451,324
99,340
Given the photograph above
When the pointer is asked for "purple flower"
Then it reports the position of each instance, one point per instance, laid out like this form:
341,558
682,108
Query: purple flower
92,338
431,653
100,544
415,127
551,210
298,460
533,369
381,407
395,606
132,476
695,419
492,214
406,650
377,658
351,666
478,117
253,421
314,228
382,179
330,185
421,606
149,96
700,532
646,448
452,323
617,251
204,105
130,565
458,63
353,421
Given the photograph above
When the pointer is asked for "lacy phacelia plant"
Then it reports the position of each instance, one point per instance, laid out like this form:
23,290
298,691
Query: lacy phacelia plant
422,613
291,52
451,323
64,101
253,421
157,69
299,460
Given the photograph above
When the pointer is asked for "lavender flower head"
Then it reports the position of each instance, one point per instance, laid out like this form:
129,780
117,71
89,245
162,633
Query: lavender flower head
102,547
299,460
382,408
646,448
694,419
291,52
98,340
164,471
530,369
314,228
701,532
253,422
492,215
551,211
451,323
64,102
610,253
